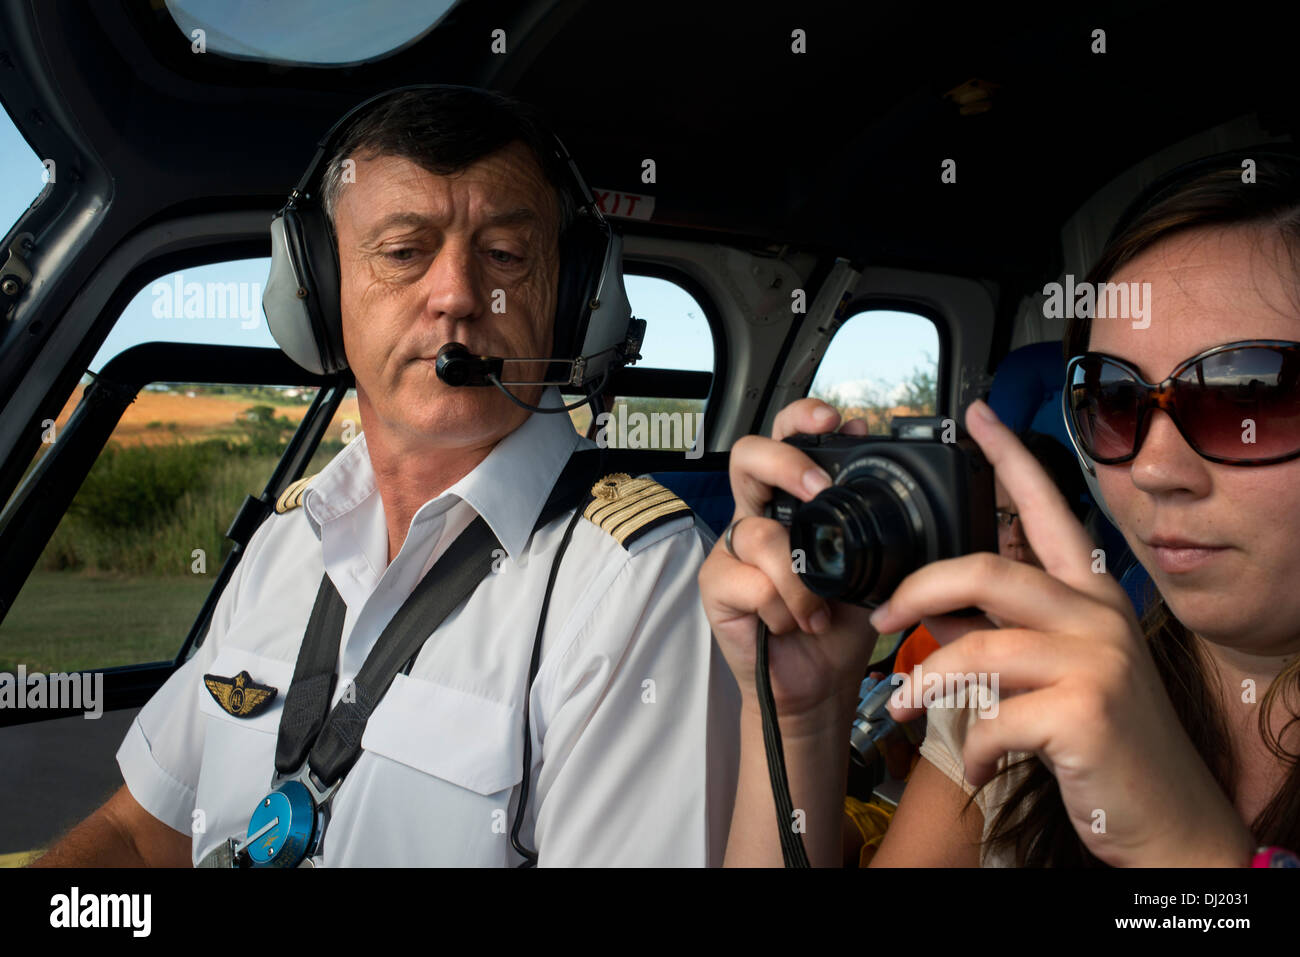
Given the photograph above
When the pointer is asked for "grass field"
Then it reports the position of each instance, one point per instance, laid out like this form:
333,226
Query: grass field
66,621
157,418
116,583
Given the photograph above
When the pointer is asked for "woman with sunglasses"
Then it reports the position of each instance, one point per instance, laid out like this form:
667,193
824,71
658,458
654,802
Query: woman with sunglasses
1170,741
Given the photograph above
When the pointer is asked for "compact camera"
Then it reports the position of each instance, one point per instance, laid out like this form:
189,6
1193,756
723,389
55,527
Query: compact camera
922,494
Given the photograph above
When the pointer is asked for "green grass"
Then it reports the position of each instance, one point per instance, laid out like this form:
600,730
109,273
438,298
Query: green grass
145,510
117,582
138,518
71,621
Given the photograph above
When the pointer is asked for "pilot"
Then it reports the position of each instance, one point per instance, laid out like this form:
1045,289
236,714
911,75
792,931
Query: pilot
557,698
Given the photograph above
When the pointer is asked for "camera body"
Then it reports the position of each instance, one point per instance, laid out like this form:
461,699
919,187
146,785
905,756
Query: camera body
922,494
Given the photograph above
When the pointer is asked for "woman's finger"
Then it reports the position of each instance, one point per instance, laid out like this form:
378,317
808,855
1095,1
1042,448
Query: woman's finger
998,661
759,465
735,592
1057,537
1028,722
1014,592
809,416
765,544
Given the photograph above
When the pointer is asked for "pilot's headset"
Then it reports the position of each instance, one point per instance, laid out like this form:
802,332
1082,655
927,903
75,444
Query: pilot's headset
594,330
1159,190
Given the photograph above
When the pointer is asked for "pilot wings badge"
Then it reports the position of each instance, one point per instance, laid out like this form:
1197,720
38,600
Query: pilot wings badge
240,696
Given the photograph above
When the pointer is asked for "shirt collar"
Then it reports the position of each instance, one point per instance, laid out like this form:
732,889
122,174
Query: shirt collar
508,488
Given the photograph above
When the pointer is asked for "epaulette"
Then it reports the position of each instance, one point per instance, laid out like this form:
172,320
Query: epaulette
291,497
627,508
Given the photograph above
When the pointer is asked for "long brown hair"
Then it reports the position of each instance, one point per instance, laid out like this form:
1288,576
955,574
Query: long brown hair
1033,823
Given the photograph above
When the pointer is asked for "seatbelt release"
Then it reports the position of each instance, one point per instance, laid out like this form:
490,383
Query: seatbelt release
287,827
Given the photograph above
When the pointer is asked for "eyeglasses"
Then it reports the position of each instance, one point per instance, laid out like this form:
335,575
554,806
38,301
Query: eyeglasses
1236,404
1006,517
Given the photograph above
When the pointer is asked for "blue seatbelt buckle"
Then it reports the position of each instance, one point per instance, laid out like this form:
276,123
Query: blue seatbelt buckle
286,828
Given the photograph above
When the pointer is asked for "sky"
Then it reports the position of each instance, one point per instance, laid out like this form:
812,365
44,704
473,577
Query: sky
337,31
872,352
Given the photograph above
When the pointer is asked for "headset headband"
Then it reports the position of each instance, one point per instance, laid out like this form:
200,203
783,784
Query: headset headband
328,143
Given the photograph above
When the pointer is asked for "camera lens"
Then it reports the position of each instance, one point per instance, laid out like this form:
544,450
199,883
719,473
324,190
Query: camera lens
829,549
859,538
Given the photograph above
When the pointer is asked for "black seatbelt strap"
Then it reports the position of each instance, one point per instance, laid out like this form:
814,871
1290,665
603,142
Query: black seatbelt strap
337,744
330,741
306,704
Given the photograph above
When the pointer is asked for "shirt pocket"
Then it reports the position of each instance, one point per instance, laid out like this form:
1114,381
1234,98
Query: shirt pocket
473,742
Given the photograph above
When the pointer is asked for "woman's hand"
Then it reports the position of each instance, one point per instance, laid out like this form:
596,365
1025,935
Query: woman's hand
817,654
1086,696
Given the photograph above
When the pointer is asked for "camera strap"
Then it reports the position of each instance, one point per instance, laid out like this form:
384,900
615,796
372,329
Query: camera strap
792,849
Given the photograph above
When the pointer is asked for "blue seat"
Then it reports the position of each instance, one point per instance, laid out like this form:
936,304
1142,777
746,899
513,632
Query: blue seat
1026,390
708,493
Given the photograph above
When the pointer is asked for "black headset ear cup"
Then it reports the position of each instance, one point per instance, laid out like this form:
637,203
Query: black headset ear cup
583,248
315,256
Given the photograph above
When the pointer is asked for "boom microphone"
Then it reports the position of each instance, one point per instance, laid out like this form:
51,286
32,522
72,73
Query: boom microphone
457,366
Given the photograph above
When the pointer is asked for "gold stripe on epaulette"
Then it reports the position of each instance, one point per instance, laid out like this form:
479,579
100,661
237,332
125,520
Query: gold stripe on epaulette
624,505
291,497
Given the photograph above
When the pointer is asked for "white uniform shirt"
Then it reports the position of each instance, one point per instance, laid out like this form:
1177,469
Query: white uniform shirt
634,714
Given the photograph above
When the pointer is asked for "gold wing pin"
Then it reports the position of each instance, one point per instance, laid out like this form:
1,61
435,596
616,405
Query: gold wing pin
239,696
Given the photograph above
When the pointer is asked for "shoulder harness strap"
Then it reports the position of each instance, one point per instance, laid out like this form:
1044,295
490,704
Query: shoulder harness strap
291,497
628,508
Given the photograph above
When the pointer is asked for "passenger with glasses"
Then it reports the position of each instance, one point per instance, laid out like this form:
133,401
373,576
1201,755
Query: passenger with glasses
1170,741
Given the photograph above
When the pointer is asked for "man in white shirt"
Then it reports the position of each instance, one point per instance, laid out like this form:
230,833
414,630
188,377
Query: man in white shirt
452,206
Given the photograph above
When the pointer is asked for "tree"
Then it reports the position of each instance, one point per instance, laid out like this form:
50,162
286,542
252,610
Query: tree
921,390
266,431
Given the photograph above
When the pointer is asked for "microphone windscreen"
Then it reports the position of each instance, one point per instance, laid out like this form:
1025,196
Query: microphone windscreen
455,365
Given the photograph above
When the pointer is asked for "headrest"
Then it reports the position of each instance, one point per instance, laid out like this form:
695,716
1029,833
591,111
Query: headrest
1026,390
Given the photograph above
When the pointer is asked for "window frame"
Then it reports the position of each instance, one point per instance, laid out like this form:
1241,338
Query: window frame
40,503
872,303
659,383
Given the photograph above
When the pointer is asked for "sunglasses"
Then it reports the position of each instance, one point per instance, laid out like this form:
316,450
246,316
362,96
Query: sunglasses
1236,404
